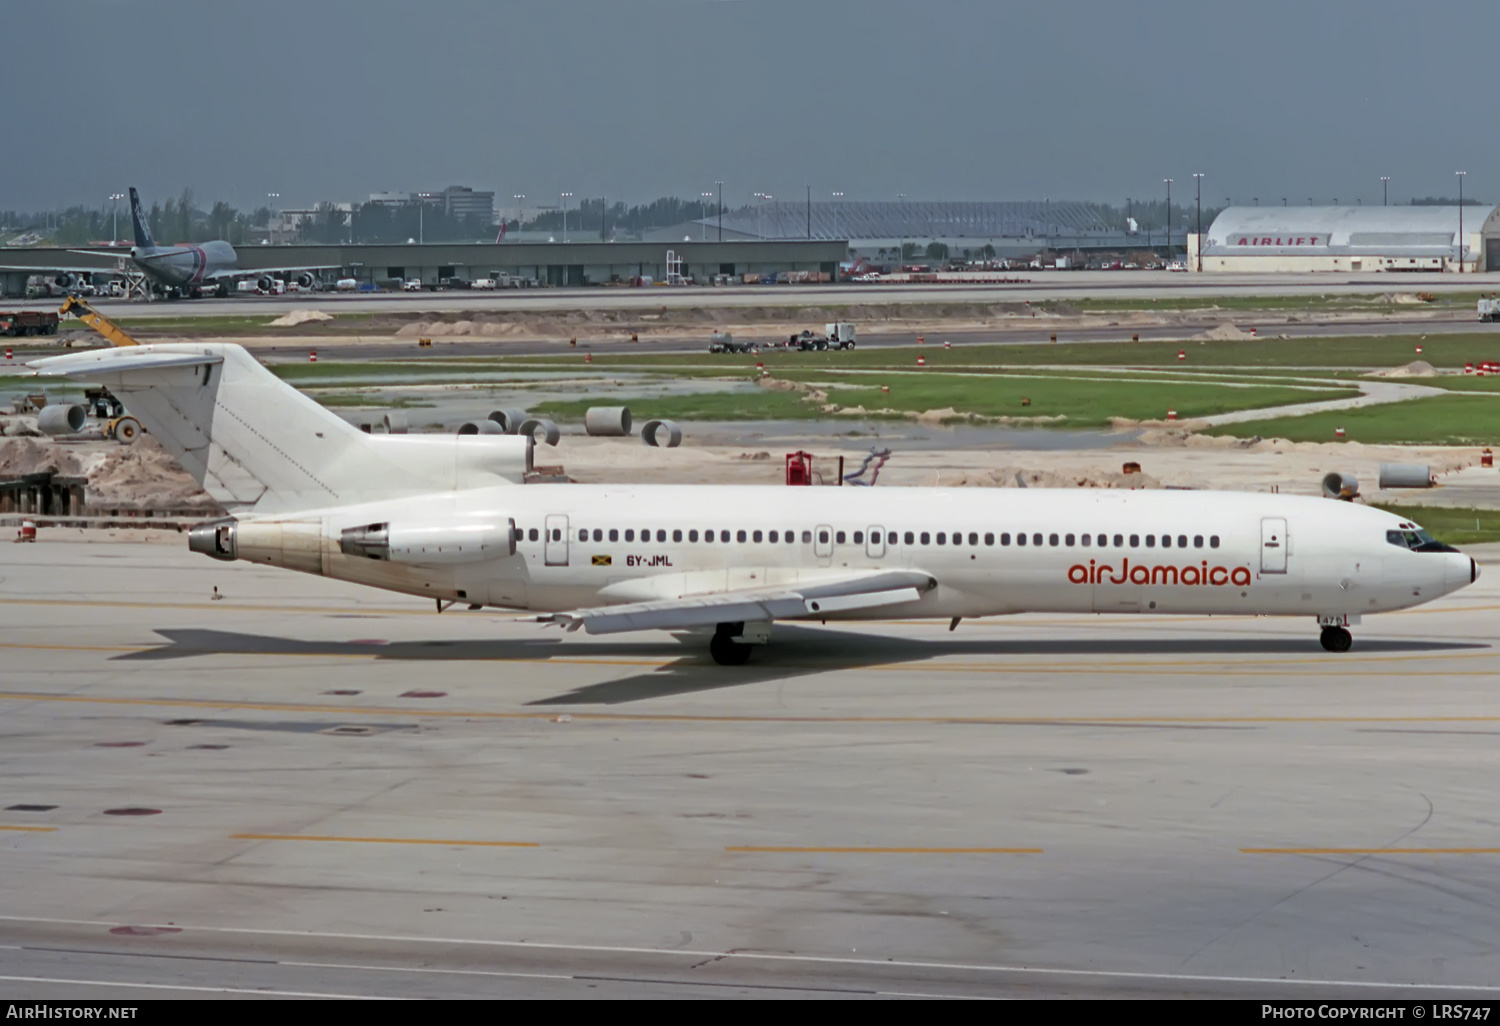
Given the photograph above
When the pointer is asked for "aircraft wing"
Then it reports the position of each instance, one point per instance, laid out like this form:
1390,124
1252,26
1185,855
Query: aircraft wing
233,273
862,590
58,269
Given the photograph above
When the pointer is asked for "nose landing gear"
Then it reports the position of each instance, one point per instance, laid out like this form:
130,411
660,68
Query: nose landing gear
1336,639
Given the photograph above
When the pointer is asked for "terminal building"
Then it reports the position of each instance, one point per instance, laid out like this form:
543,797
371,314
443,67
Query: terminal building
1292,239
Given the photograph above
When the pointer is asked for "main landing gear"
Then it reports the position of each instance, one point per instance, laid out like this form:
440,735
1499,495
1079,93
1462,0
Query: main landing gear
1336,639
729,646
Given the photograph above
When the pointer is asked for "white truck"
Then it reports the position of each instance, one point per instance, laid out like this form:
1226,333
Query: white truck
1489,308
836,335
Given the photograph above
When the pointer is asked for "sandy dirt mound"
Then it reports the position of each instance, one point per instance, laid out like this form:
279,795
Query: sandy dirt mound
1415,369
1223,333
135,477
296,317
1019,477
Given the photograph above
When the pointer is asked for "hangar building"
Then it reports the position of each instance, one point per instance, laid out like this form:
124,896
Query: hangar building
1350,239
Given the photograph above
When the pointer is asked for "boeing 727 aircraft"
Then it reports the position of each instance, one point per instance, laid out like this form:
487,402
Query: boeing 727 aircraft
184,271
447,517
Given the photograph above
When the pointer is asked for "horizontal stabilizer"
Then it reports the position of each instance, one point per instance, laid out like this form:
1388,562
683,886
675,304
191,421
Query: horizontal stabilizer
109,362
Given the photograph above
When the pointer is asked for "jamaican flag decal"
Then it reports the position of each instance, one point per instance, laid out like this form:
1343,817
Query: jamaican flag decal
602,561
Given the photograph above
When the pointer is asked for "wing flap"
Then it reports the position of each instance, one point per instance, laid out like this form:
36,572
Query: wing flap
855,591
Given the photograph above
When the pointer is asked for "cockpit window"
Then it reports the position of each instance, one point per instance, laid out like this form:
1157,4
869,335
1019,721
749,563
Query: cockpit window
1417,540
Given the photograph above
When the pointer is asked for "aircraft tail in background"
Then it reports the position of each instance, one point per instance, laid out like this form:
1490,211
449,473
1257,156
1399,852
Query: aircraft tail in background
143,237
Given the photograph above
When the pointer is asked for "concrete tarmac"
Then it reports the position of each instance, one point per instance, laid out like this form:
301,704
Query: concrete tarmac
307,788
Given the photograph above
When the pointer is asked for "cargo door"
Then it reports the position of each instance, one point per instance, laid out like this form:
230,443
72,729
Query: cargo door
1273,545
875,543
556,547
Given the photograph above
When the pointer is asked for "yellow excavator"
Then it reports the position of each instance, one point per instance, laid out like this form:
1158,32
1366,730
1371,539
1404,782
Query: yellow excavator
96,320
117,424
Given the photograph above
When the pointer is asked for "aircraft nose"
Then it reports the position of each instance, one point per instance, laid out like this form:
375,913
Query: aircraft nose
1462,570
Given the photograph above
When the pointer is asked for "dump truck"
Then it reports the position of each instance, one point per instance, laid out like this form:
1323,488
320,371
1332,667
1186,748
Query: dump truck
15,323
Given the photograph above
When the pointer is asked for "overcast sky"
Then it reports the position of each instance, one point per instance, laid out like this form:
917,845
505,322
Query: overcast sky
940,99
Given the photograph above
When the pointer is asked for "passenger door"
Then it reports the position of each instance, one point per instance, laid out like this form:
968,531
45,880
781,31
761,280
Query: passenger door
556,548
875,543
1273,545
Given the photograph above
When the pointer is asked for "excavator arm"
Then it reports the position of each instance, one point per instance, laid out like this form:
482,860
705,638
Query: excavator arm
103,325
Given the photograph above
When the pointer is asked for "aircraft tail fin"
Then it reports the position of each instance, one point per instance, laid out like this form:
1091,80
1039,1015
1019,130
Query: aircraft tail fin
143,237
256,444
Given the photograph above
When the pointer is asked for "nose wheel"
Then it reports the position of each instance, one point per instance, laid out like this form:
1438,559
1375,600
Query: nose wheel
1336,639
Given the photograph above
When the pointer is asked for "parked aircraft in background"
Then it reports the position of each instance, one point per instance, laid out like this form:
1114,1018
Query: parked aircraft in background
446,517
185,271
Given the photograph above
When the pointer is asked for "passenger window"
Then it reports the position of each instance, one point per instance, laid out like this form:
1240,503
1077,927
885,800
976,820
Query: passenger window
859,537
806,537
973,538
557,534
890,539
1135,541
755,536
1104,541
677,535
532,534
911,539
614,534
708,536
1004,537
1036,539
822,537
740,536
942,539
771,537
1068,539
791,537
724,537
1020,539
1052,540
926,538
1182,541
838,538
1213,541
1085,539
630,534
1150,541
1197,541
598,534
692,536
989,538
1166,541
1119,541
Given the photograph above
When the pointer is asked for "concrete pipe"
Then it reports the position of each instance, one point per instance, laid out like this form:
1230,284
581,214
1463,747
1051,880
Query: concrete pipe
1405,475
549,431
1340,486
607,421
62,420
662,433
480,427
510,421
395,422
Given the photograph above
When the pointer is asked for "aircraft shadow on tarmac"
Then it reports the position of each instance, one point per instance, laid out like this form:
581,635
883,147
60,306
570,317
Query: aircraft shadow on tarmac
795,651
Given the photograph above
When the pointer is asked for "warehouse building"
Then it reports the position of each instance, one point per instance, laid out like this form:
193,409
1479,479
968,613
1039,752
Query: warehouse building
1291,239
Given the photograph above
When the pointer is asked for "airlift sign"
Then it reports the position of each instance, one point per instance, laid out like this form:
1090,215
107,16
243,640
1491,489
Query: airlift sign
1282,241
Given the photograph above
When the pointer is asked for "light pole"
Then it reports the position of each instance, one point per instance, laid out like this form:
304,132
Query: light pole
114,212
565,197
838,198
706,197
720,186
901,216
1385,190
1169,219
273,197
1198,180
520,199
422,198
1460,220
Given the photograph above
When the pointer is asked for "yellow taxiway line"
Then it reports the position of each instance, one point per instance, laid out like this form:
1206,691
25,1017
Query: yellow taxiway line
875,850
30,829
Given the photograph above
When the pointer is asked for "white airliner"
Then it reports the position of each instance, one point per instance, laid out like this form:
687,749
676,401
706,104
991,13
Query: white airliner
447,517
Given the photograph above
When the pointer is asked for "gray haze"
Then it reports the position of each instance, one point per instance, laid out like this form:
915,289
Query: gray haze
943,99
